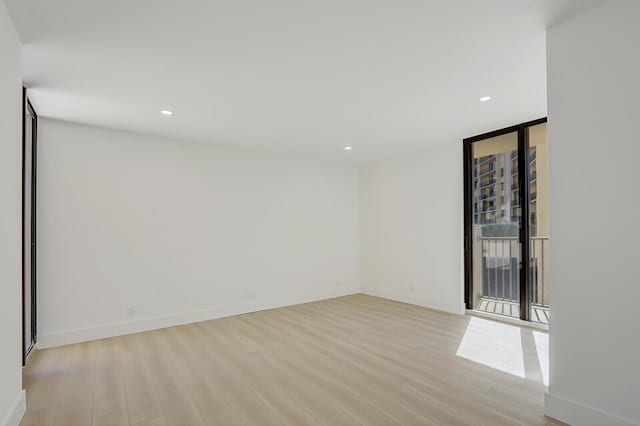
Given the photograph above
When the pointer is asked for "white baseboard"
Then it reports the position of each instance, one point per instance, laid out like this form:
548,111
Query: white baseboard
578,414
128,327
16,411
413,300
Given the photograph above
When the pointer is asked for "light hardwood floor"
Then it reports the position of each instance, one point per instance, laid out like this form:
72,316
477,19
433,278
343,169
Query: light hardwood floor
346,361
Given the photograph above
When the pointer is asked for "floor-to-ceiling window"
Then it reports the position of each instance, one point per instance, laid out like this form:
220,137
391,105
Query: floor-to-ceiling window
29,165
505,205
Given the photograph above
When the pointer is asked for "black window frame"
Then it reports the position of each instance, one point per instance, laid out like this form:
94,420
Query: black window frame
523,197
27,106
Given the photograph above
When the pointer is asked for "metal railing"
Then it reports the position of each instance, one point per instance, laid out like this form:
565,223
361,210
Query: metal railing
501,268
489,182
486,196
487,158
539,260
487,170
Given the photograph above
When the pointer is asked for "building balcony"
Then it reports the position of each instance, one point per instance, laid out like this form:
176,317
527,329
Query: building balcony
488,196
488,170
487,183
486,159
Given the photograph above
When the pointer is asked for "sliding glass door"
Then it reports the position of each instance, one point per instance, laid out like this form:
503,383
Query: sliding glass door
495,225
29,151
503,209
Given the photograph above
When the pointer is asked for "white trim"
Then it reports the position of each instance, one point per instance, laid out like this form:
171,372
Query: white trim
79,335
412,300
510,320
577,413
17,410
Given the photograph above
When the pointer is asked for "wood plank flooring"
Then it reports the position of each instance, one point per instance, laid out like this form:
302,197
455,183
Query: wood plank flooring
355,360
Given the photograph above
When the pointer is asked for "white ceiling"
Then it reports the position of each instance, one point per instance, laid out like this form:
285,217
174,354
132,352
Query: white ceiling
303,77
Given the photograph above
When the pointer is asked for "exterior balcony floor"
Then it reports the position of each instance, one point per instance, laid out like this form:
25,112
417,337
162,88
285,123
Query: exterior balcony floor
511,308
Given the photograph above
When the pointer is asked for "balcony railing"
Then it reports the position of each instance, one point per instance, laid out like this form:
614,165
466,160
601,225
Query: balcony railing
487,171
487,196
487,158
487,183
514,171
532,157
501,268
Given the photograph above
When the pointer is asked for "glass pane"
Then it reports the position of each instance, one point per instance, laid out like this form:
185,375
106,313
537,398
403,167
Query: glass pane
539,222
495,225
27,231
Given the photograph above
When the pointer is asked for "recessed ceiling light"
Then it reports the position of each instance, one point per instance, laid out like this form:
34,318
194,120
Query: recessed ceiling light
347,148
166,112
485,98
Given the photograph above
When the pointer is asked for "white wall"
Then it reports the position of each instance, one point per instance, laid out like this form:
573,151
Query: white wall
182,231
11,394
411,228
594,87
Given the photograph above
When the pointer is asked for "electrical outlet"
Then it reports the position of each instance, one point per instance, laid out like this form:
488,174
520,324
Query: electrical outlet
338,284
131,311
250,294
412,288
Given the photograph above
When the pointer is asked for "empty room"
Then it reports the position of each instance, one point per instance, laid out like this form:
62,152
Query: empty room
319,212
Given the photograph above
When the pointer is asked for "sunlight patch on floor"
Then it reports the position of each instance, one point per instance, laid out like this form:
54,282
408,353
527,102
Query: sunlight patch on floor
493,344
519,351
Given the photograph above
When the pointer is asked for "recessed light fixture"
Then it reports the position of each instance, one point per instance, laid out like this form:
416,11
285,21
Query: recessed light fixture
347,148
485,98
166,112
